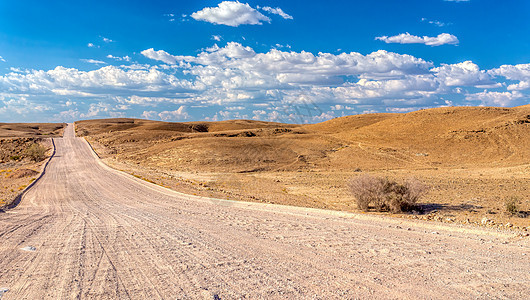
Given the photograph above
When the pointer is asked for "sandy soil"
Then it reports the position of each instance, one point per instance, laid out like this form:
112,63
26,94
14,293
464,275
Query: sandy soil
88,231
463,196
17,171
474,159
31,130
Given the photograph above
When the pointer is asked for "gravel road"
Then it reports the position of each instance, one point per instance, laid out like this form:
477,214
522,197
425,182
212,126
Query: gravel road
87,231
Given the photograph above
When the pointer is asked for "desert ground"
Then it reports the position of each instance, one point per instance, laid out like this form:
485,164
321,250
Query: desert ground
86,230
473,159
17,169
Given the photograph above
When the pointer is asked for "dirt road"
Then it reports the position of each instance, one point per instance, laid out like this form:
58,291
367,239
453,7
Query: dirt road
86,231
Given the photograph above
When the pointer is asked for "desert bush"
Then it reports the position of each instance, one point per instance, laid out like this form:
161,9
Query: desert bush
511,205
36,152
384,194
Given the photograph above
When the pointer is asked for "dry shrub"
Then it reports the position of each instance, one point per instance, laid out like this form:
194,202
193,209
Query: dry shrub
384,194
511,205
36,152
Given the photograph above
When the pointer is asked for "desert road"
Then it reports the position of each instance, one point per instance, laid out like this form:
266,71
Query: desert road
85,231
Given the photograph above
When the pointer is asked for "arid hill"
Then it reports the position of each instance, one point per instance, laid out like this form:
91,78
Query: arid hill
31,129
434,138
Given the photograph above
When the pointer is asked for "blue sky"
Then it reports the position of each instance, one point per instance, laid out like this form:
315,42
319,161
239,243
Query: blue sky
287,61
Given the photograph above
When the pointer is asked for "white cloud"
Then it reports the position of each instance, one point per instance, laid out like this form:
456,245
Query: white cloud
171,17
277,11
235,73
69,103
91,45
150,115
401,109
487,98
106,40
93,61
519,73
435,22
2,59
175,115
407,38
153,100
462,74
235,58
67,92
279,46
216,38
231,13
267,84
100,81
20,106
160,55
119,58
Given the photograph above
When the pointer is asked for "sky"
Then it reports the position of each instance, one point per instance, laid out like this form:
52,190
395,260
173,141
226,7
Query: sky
285,61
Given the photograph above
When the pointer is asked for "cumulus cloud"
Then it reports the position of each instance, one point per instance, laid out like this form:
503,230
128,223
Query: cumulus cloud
236,58
519,73
160,55
407,38
2,59
174,115
216,38
262,85
149,114
103,80
488,98
231,13
277,11
20,106
91,45
462,74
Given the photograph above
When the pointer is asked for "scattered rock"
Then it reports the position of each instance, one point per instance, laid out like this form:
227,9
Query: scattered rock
2,291
29,248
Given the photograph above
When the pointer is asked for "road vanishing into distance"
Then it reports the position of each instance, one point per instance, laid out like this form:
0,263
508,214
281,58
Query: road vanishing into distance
85,231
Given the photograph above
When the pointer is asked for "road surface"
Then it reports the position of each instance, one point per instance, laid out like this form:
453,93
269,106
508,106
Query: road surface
86,231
